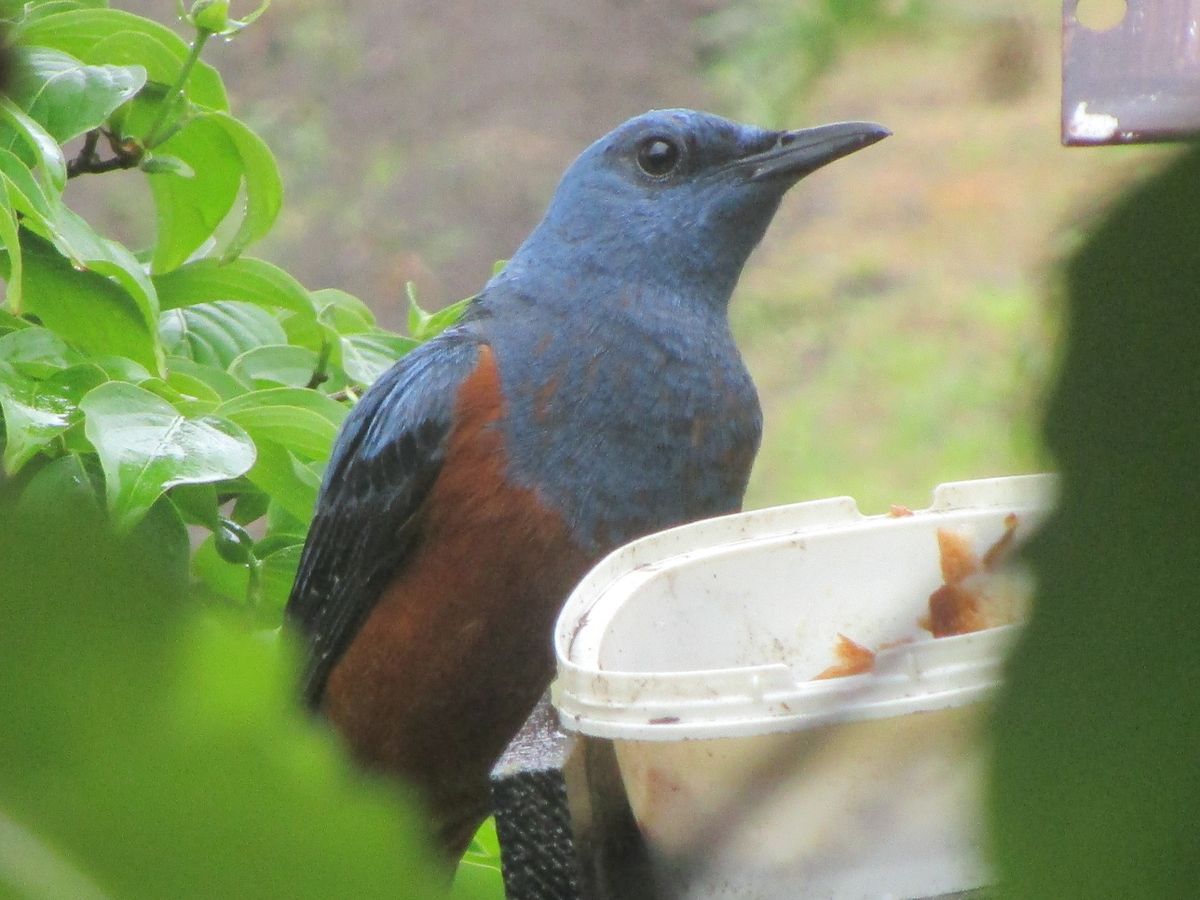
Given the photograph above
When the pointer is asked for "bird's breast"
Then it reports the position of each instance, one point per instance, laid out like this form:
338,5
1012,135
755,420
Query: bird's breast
626,438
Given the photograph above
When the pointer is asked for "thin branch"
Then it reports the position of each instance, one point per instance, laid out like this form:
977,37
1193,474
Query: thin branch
126,155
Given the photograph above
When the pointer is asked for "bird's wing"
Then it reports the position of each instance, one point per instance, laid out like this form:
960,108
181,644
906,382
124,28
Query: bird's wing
385,460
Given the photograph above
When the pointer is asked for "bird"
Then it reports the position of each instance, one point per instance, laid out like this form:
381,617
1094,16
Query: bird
591,394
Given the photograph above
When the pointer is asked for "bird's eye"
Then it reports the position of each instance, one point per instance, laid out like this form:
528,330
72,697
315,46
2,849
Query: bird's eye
658,156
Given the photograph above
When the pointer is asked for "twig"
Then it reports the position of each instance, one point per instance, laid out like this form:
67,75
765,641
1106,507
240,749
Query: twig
126,155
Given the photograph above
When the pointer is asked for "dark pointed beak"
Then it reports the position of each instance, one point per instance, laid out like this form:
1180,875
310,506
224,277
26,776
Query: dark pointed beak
797,153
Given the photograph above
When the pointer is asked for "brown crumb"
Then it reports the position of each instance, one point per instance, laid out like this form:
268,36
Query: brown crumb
899,512
972,599
997,553
958,559
953,610
853,659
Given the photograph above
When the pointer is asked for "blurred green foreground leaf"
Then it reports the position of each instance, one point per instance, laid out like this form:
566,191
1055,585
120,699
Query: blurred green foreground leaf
154,751
1097,768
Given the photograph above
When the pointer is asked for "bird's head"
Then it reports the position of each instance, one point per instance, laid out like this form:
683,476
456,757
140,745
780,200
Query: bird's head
681,195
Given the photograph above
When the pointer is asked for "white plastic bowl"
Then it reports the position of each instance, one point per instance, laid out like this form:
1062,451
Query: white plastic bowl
694,651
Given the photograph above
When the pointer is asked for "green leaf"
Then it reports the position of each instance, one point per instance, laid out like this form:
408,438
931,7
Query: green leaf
248,577
162,535
39,9
250,506
303,398
342,312
36,412
275,542
192,388
162,164
247,280
227,580
289,483
30,199
479,872
217,333
423,325
197,504
443,319
75,382
305,331
264,187
1094,779
51,219
19,132
367,356
476,879
19,196
302,420
160,388
10,322
216,380
189,209
86,33
69,487
120,368
278,573
417,317
63,485
10,240
68,97
146,447
90,311
36,352
86,249
279,520
178,730
275,364
32,418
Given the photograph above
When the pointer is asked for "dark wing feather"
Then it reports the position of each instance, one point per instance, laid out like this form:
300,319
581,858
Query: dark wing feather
384,461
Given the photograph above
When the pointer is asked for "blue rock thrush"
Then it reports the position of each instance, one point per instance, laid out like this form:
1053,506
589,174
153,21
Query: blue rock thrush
591,394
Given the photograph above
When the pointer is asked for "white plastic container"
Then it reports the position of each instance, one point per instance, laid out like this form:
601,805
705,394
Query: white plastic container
695,650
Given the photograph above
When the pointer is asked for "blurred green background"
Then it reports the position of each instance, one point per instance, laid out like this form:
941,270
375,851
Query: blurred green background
898,318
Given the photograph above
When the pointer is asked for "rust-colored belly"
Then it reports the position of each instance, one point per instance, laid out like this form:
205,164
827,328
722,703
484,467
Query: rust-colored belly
458,649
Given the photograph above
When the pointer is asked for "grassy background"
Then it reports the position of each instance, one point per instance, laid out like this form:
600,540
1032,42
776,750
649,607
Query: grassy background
900,317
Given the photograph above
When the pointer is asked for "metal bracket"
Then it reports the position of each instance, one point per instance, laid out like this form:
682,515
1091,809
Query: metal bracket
1137,82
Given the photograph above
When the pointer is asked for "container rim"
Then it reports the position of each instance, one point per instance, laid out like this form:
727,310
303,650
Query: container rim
920,676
